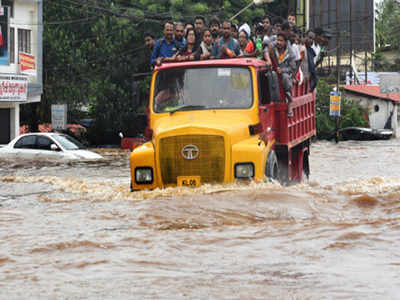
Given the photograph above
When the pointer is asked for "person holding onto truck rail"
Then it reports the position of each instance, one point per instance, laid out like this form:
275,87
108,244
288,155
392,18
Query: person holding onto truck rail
179,34
285,61
205,48
226,47
188,52
244,41
166,47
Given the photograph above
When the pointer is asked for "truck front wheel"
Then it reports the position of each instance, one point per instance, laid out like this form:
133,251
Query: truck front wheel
272,167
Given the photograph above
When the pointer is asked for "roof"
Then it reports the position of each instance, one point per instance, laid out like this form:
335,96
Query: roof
373,91
237,62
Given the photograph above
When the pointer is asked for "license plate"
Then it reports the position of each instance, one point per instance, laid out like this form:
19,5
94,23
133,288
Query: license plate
189,181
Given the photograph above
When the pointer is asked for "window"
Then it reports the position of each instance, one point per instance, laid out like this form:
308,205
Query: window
68,142
26,142
203,88
9,3
12,45
43,143
263,84
269,87
24,41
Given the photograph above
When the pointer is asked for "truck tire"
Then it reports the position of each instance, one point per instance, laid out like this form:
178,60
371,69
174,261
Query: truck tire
272,167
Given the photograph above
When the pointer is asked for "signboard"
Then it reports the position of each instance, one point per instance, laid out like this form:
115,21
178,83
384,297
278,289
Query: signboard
59,116
355,21
27,63
13,88
334,108
389,83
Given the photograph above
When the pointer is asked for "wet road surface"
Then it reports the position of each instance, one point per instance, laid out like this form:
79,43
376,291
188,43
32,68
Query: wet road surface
74,231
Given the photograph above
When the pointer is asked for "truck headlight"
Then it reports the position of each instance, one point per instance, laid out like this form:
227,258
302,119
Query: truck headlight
144,175
244,170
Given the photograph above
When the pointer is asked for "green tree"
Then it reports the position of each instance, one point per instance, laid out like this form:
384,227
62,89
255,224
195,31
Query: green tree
388,24
94,51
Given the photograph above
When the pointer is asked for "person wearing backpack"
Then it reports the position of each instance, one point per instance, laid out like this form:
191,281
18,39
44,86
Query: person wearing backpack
166,47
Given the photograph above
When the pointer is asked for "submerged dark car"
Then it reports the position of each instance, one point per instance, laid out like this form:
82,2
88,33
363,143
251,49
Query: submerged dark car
365,134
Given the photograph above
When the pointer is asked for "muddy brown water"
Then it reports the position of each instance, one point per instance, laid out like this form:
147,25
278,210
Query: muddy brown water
74,231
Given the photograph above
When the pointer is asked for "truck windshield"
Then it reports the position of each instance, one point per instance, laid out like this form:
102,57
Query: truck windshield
203,88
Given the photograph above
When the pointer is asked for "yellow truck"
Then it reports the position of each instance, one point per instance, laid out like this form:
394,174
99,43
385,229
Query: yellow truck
218,121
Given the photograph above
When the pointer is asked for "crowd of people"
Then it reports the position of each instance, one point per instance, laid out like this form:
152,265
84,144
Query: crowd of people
294,54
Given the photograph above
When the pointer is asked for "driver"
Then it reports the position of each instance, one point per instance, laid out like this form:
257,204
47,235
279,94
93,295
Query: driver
167,97
172,98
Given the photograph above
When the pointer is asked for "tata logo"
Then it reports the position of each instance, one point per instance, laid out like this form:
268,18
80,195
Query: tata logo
190,152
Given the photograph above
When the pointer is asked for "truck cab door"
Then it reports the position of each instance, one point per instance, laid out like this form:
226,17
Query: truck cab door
265,101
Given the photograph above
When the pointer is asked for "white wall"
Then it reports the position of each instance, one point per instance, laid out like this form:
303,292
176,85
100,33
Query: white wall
377,119
27,14
25,17
14,120
397,121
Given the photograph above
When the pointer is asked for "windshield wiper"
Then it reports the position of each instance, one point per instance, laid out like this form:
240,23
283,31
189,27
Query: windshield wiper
188,107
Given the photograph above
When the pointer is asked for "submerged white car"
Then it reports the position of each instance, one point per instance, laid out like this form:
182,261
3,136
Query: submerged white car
53,146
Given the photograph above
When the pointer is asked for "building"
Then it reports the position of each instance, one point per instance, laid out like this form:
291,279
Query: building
382,108
20,61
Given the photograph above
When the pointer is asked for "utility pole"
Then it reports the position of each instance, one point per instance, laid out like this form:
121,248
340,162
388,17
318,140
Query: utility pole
351,39
337,45
366,40
337,65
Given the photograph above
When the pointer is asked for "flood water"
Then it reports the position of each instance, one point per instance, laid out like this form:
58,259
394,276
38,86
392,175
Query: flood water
75,231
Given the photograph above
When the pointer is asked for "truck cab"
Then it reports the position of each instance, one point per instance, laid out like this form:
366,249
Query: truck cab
219,121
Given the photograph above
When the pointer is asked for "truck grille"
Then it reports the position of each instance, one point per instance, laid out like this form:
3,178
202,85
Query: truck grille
210,163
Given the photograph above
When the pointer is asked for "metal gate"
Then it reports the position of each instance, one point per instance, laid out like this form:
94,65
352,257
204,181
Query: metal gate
4,125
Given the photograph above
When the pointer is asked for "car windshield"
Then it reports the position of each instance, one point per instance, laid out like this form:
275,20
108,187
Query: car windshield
68,143
203,88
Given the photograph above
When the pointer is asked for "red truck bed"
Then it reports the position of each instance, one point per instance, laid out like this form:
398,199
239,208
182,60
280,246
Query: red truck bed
302,126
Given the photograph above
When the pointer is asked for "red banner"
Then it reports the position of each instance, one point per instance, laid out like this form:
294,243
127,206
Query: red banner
27,62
